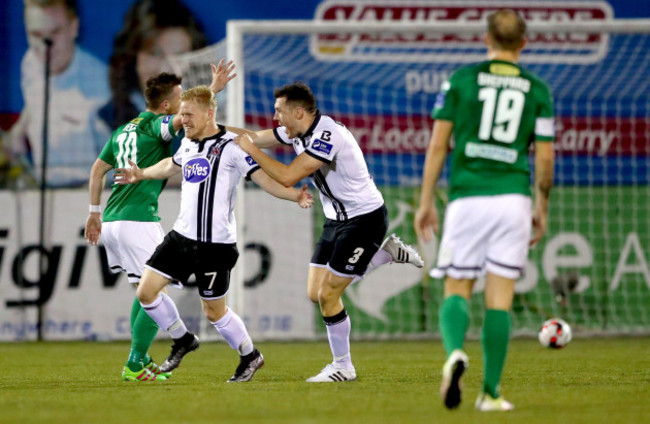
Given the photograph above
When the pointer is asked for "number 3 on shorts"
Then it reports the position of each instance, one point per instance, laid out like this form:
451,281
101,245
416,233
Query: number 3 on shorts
357,254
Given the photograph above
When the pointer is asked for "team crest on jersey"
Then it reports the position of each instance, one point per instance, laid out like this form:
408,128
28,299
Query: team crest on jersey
250,161
166,119
321,146
196,170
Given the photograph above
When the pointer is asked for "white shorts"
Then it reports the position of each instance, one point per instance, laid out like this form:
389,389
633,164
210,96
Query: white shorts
485,234
130,244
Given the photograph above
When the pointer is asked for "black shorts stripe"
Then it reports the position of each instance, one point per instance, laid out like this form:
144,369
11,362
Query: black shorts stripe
460,268
515,268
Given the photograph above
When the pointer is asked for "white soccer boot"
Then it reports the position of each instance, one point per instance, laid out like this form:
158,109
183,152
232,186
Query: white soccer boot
486,403
402,253
333,374
452,371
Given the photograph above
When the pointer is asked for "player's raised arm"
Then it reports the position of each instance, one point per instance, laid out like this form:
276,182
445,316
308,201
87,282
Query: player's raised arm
426,217
222,74
302,196
162,170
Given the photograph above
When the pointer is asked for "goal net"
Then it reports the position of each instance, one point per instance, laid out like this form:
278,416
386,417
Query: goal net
381,80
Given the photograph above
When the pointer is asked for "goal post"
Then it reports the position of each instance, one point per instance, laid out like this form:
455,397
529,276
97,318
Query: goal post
381,80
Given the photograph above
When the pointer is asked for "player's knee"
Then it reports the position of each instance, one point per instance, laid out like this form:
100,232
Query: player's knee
214,310
145,295
325,294
313,295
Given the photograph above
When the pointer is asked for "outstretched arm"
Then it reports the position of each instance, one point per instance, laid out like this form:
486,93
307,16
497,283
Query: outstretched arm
544,162
162,170
426,217
94,221
262,139
302,196
287,175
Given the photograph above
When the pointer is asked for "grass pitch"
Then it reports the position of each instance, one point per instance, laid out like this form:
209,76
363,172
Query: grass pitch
590,381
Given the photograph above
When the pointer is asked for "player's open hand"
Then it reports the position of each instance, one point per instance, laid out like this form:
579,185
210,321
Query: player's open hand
305,199
245,142
221,75
93,228
130,175
426,223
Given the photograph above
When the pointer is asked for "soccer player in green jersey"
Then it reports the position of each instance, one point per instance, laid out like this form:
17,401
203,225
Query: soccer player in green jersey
131,228
495,110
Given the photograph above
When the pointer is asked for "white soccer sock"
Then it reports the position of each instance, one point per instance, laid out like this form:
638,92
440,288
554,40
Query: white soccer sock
232,328
338,334
378,259
164,312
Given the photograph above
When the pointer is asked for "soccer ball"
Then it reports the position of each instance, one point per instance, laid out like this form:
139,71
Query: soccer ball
555,333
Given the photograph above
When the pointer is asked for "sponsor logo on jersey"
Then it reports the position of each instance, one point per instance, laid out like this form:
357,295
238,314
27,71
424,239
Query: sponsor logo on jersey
250,161
196,170
440,100
427,47
321,146
166,119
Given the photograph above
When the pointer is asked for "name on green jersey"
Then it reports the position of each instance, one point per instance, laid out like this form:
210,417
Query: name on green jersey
503,81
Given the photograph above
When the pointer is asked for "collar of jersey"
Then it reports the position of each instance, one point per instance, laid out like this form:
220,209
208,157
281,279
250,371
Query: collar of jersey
222,131
310,131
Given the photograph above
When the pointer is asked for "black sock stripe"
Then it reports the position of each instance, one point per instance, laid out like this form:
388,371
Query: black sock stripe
336,319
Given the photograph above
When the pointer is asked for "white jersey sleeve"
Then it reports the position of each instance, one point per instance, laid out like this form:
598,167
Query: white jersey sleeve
243,161
321,146
280,134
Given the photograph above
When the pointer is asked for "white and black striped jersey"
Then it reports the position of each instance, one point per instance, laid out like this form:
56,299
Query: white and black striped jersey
346,187
212,169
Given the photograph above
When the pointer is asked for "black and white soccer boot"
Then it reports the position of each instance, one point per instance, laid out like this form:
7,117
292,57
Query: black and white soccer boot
248,364
181,347
333,374
402,253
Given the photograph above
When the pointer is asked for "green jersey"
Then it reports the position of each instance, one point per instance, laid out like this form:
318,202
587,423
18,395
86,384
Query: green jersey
498,109
145,140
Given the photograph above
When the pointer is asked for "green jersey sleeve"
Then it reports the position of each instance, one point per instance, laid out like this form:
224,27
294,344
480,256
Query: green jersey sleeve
446,101
163,127
544,122
107,154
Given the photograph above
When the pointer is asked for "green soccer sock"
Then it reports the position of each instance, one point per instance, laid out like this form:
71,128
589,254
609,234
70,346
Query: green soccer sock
495,338
143,331
454,321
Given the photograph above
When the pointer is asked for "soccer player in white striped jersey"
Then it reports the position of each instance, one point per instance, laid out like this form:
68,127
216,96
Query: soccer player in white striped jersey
203,239
131,228
351,243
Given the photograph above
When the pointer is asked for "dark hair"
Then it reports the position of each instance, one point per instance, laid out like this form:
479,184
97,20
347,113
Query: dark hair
142,23
157,89
506,29
299,94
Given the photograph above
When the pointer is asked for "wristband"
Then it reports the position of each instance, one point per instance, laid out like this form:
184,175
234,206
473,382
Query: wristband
95,209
